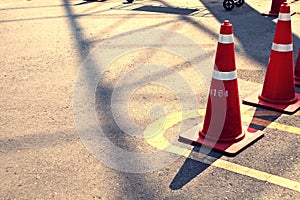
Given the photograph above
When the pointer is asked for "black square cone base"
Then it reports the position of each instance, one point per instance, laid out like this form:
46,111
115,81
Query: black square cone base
191,136
253,100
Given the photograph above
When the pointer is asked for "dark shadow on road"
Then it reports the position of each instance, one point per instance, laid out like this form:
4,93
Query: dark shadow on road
192,167
165,9
88,1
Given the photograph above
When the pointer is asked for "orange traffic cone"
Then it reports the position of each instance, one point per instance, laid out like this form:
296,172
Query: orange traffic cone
275,7
222,129
278,91
297,71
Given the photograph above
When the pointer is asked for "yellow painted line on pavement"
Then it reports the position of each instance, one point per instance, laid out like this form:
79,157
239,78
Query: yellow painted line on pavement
154,135
260,175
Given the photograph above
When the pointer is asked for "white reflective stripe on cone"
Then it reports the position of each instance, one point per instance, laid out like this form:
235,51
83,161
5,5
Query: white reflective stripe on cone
282,47
224,76
225,39
284,17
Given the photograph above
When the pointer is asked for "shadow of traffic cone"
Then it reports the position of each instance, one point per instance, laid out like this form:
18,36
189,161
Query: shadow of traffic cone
222,128
278,91
275,7
297,71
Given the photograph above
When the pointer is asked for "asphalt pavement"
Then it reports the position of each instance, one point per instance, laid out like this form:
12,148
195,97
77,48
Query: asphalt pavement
94,96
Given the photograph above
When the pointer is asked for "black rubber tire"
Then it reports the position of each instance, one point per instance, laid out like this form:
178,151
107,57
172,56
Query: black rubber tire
228,4
239,3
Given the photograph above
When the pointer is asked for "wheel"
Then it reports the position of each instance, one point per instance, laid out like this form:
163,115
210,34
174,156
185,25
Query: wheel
239,3
228,4
130,1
